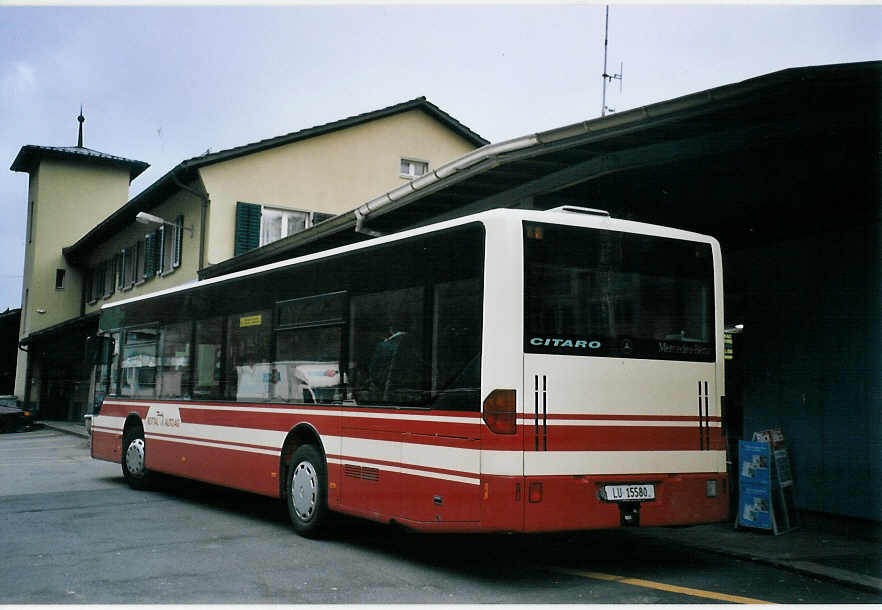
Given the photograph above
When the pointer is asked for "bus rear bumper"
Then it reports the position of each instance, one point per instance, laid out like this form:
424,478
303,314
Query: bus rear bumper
567,503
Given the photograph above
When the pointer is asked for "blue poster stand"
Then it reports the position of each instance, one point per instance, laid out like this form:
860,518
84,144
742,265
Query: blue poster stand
755,485
765,486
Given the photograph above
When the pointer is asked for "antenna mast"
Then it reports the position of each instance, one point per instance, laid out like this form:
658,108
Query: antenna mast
605,76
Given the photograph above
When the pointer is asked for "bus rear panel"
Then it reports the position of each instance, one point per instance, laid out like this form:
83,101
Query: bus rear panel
621,409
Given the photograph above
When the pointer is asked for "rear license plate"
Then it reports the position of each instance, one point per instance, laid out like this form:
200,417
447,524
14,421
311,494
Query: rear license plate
629,493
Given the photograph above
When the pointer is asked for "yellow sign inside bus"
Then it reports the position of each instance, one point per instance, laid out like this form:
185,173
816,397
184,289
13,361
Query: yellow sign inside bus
246,321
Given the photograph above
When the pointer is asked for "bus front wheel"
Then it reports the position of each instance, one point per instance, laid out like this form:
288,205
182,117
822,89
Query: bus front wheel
134,464
306,491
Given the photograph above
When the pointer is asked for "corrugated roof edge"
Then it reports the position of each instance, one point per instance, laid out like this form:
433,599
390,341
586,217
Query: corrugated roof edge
490,154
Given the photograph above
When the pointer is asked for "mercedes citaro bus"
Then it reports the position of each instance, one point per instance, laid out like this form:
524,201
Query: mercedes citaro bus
512,370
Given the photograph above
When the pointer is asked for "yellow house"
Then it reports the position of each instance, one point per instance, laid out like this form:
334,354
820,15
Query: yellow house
87,246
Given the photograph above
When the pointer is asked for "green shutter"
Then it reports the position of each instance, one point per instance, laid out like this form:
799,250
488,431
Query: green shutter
89,274
99,280
247,227
150,255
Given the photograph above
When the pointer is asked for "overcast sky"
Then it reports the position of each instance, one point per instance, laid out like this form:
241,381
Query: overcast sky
163,84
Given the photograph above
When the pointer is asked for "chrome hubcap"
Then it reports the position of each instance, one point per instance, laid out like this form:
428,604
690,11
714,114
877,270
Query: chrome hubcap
304,485
135,458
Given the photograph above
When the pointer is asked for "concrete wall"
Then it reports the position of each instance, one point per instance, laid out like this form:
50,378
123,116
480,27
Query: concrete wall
810,361
332,173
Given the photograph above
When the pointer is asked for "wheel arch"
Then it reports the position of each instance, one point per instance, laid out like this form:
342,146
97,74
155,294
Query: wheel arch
133,420
303,433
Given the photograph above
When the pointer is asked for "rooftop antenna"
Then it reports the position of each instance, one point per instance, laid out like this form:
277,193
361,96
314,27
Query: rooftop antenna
82,120
607,78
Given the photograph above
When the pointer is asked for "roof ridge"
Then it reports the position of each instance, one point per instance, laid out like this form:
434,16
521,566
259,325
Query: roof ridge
330,126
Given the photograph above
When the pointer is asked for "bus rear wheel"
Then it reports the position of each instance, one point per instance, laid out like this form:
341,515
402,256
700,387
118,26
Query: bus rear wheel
134,463
306,491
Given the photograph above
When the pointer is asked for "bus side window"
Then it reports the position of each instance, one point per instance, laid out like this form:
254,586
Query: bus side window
386,347
308,365
208,354
107,375
138,374
456,349
174,361
249,367
309,343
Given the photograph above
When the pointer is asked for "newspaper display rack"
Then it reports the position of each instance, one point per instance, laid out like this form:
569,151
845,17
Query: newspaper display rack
765,484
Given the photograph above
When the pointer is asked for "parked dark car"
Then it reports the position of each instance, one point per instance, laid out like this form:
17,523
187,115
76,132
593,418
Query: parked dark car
11,418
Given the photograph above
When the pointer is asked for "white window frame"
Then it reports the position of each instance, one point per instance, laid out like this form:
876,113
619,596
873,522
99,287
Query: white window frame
310,221
412,163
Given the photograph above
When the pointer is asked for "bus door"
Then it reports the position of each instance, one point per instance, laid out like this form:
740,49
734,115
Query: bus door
414,358
442,444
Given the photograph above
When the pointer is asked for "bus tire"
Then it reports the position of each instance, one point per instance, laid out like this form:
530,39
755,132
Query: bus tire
134,463
306,489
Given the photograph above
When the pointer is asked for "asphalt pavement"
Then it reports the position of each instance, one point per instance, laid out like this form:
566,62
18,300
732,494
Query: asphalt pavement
820,554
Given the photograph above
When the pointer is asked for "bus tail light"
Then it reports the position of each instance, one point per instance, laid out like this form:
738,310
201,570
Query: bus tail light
500,411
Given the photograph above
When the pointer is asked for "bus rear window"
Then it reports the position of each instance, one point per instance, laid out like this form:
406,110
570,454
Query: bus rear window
592,292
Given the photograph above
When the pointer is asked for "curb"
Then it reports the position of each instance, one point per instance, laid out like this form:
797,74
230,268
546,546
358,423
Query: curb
73,432
808,568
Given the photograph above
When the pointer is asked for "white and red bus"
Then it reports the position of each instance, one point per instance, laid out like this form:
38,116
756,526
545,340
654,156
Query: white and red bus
507,371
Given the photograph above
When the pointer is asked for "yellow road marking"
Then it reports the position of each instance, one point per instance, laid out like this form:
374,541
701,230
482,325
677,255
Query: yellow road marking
639,582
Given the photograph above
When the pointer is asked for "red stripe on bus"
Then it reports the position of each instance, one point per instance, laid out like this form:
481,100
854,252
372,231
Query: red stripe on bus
625,438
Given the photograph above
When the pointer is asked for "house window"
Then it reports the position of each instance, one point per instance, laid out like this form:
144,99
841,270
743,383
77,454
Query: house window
151,254
95,282
168,245
258,225
59,279
179,242
140,258
411,168
119,264
276,224
129,262
109,277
